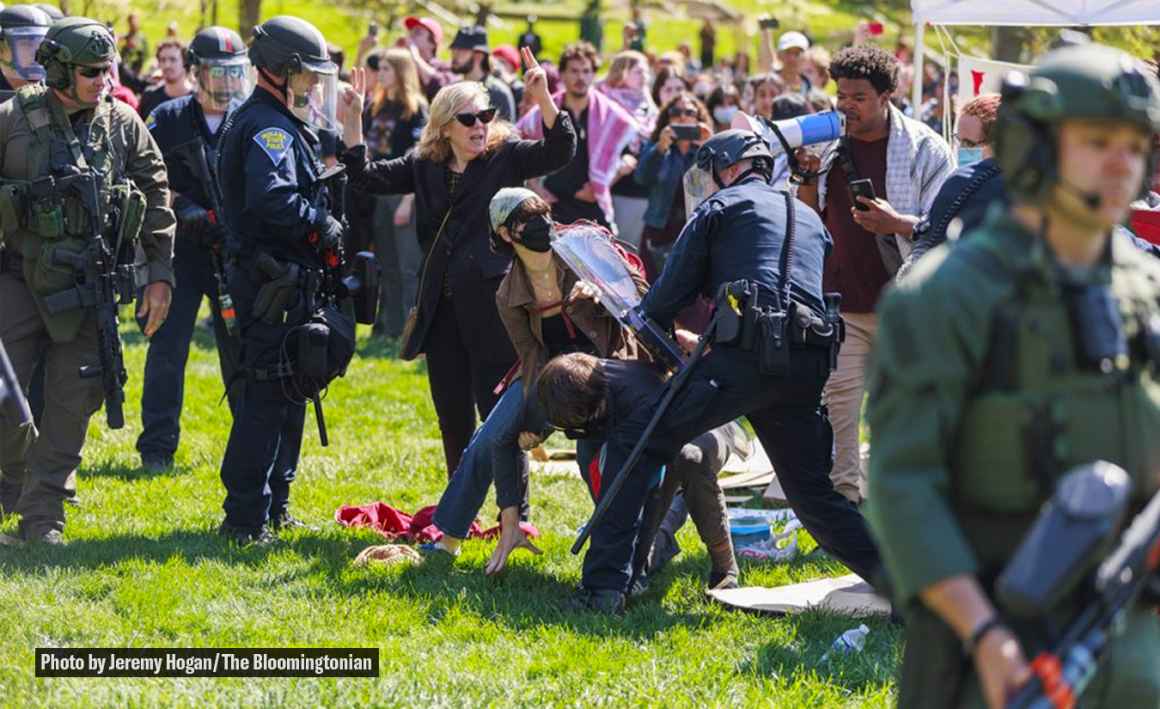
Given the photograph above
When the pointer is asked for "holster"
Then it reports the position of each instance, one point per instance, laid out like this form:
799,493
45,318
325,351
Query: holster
772,340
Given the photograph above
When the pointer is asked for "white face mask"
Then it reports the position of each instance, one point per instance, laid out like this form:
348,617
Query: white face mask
724,114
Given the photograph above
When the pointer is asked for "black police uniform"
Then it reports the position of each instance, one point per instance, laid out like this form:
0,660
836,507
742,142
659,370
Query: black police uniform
268,172
180,129
738,233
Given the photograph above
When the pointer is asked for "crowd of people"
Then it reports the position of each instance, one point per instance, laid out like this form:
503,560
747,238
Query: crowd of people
799,279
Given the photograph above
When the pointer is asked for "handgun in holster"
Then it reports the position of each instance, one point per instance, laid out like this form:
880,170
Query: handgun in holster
732,298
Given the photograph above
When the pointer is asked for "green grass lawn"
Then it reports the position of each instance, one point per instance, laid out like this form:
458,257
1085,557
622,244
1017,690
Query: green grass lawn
144,568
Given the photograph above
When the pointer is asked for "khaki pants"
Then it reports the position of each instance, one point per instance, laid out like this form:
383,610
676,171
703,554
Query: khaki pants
52,453
845,391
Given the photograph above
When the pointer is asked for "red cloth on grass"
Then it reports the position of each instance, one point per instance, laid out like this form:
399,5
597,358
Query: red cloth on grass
395,524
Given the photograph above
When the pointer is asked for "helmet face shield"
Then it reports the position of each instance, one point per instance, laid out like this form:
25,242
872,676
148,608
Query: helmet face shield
22,43
699,186
313,98
224,83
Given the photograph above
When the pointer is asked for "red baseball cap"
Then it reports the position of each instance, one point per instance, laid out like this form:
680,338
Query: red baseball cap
507,53
426,23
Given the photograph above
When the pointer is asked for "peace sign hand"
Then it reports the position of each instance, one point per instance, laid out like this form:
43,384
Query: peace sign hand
353,97
535,79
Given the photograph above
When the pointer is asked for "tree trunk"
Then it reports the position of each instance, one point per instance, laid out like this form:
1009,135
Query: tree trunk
249,12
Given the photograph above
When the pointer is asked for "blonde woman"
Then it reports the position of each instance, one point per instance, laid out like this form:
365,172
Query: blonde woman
463,158
392,125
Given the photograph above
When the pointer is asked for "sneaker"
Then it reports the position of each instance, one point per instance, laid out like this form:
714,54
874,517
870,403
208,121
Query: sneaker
285,521
156,463
52,537
603,601
246,536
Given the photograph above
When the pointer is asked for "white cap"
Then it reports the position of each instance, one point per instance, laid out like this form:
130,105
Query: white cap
789,40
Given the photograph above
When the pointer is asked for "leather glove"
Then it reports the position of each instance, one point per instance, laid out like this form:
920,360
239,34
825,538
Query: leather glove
274,297
330,234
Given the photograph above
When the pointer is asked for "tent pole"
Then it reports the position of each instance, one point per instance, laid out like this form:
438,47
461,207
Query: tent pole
916,85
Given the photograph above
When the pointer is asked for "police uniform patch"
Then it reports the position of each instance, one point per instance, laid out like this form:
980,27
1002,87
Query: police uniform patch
151,120
275,142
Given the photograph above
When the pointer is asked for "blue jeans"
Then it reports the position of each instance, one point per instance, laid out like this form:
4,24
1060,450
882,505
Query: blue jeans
467,489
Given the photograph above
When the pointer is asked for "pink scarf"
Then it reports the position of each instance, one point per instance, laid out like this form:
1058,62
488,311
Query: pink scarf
610,128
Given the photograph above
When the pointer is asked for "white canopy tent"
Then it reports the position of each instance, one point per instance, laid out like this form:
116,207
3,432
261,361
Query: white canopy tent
1043,13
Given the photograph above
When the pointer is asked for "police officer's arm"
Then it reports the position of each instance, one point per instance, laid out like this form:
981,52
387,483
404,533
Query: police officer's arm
146,168
685,269
272,184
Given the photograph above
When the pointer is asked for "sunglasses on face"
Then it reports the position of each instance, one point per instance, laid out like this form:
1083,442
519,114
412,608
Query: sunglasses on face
92,72
469,119
677,112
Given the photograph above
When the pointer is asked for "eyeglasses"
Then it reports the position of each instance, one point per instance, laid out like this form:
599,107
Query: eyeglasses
92,72
469,119
968,143
677,112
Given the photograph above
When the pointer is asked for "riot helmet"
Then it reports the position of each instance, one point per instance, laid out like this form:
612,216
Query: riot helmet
1079,82
718,153
220,64
54,13
22,29
292,55
73,42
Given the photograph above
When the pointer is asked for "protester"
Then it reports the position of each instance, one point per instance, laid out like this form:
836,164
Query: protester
463,158
134,53
175,80
424,35
791,53
723,105
663,163
392,124
708,36
530,38
906,163
471,59
766,88
506,67
816,67
627,83
582,189
667,84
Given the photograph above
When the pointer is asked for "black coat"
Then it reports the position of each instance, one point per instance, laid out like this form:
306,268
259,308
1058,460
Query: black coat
464,256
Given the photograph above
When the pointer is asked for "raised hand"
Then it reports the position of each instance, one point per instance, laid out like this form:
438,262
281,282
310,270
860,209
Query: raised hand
535,78
352,98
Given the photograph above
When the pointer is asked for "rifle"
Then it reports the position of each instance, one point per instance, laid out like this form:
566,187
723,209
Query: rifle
1062,673
194,154
106,285
12,399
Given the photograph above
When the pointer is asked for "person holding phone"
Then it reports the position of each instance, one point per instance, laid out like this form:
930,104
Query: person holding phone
870,188
682,125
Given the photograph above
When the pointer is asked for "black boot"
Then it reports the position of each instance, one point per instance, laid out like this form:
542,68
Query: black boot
600,600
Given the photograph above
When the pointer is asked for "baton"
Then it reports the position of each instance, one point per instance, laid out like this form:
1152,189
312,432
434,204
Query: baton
675,385
11,395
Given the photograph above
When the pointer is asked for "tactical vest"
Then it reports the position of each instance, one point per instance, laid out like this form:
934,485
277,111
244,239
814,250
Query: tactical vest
1041,408
54,211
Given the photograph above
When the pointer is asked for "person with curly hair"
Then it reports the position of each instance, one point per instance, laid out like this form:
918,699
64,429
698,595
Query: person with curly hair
906,163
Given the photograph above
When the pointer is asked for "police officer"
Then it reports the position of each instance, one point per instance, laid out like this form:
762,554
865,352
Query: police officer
774,377
65,127
187,130
1008,358
22,28
268,172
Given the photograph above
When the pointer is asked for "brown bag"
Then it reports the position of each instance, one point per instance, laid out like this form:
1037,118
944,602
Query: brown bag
407,349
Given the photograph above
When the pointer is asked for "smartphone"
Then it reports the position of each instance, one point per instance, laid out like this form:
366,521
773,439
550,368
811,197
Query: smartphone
373,29
876,29
686,131
768,23
861,188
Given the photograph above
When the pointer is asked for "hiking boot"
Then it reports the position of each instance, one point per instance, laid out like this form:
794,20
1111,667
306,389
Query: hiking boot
603,601
246,536
285,521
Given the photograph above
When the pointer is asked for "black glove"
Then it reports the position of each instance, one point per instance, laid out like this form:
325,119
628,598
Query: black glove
273,297
330,234
215,234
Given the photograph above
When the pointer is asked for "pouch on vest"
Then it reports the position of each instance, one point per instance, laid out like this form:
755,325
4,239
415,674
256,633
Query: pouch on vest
11,209
130,204
46,219
323,349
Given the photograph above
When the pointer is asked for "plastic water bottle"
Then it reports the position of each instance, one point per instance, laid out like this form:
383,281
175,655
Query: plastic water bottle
851,641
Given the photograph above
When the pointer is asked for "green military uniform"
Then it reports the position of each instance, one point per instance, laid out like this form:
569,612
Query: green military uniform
981,399
37,139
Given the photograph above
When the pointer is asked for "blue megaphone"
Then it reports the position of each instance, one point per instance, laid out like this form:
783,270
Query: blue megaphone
793,133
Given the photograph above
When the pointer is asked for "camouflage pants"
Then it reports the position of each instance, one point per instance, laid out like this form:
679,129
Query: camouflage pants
52,453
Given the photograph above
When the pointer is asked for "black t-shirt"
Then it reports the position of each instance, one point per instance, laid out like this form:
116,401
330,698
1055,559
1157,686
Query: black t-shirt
151,99
388,133
568,180
560,339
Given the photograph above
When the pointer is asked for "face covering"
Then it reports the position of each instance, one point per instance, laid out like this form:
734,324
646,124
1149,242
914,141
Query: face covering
970,156
724,114
537,235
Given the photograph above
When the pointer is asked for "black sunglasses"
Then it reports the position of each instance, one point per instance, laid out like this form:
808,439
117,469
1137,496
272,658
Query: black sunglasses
469,119
677,111
92,72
